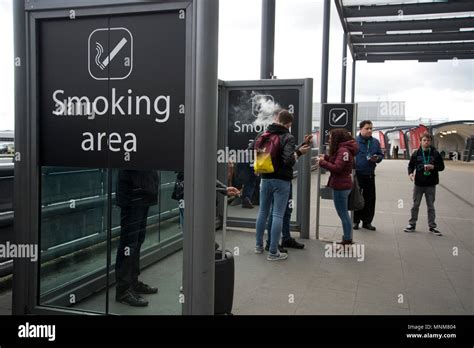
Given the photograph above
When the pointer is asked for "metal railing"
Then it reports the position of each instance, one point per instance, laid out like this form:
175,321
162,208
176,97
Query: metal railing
73,240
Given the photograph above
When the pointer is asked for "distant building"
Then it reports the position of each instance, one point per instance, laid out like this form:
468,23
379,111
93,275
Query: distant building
6,136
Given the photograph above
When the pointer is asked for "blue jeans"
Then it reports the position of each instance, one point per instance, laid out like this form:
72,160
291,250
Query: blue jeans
341,198
285,232
276,191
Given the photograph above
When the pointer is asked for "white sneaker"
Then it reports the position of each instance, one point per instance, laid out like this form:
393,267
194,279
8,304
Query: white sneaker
258,249
277,257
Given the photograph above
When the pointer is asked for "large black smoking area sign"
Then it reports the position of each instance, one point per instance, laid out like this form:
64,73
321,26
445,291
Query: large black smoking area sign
337,116
111,94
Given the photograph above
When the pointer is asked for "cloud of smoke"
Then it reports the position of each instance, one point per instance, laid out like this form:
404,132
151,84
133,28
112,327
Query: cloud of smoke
263,108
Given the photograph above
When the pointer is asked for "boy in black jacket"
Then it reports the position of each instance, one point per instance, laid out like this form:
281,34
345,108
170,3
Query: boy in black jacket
427,162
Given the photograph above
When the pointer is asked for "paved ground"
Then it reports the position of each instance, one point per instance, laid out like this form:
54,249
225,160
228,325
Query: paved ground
401,273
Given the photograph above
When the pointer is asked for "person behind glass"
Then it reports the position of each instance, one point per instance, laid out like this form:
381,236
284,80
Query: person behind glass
369,155
275,187
340,161
248,178
178,193
426,162
136,192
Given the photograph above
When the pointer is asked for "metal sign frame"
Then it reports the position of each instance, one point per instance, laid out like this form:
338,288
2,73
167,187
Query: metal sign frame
322,150
200,107
305,88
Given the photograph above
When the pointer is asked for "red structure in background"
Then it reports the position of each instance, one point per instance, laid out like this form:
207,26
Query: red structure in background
315,139
401,135
415,134
382,140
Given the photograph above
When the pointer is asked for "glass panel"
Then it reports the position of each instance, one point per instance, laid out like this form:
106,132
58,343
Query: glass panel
146,243
73,236
249,112
146,253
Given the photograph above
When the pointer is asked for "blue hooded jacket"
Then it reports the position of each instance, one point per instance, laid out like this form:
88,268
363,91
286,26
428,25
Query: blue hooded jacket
363,165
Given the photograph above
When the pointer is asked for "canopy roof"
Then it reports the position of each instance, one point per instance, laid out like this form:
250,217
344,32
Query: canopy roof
406,30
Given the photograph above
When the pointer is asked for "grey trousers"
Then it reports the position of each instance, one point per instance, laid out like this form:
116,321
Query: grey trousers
430,195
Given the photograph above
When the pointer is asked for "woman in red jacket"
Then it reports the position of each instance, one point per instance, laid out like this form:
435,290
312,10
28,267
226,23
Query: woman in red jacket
340,161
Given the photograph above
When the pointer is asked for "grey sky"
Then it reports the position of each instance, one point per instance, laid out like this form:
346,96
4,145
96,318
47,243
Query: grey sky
431,90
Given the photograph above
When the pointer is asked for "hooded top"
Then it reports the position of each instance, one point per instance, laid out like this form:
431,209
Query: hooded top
340,165
285,161
417,162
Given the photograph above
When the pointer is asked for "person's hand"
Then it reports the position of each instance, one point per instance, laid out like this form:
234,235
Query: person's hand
232,191
316,162
321,158
308,138
374,158
429,167
304,149
412,176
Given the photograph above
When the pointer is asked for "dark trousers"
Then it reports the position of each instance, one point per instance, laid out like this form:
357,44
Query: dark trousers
430,196
249,183
367,184
132,234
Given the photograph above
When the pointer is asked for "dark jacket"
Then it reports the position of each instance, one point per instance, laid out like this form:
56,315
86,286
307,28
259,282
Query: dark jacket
363,165
284,162
137,188
416,163
340,165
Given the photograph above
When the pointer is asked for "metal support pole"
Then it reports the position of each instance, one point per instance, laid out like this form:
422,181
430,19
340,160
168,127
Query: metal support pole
344,68
305,180
353,88
324,96
199,171
20,265
268,40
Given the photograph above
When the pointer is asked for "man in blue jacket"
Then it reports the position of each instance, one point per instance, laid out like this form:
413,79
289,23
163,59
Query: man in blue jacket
367,158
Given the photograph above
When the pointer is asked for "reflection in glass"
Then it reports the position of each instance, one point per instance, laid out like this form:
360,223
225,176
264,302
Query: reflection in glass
136,192
73,236
146,244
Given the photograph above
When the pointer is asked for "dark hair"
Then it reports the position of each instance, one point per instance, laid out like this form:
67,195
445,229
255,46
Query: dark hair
285,117
363,123
276,111
338,136
426,135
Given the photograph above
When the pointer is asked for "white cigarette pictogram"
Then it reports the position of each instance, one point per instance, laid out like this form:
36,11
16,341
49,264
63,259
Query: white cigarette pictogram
115,51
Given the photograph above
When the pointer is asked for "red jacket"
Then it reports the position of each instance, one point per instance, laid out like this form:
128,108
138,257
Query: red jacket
340,165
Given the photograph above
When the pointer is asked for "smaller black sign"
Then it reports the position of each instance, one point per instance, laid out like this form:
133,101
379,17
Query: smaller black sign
337,116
